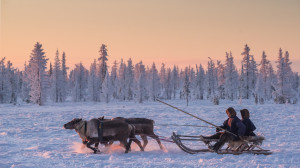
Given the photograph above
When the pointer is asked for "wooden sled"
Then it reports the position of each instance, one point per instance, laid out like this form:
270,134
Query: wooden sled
249,145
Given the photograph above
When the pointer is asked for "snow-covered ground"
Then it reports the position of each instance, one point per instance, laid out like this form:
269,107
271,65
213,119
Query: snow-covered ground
33,136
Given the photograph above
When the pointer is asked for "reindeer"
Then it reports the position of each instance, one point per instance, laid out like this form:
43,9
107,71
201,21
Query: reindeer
143,127
110,131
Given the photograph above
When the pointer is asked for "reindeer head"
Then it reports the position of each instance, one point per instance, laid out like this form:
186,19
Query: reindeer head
72,124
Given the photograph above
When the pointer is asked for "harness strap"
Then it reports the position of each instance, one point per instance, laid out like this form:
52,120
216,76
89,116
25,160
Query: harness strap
85,127
100,131
85,130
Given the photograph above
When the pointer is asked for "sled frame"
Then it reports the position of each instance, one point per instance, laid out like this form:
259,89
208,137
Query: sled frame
235,148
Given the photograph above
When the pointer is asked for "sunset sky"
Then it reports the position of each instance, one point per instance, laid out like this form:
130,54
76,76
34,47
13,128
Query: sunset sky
181,32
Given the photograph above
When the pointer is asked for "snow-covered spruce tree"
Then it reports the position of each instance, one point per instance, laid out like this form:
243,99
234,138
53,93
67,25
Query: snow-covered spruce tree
220,72
270,79
114,80
106,88
13,82
200,82
288,90
78,79
211,80
129,78
253,75
140,82
192,77
242,90
186,87
25,86
197,81
273,81
18,76
153,83
231,78
248,75
181,83
8,83
296,86
36,75
174,79
263,84
280,78
168,84
163,79
56,79
64,86
284,90
93,86
102,66
50,72
102,62
3,82
122,81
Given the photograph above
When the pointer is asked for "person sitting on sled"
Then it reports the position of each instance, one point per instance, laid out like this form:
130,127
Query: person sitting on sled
233,124
250,127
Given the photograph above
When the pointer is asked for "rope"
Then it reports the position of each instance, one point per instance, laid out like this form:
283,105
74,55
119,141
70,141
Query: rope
166,140
163,138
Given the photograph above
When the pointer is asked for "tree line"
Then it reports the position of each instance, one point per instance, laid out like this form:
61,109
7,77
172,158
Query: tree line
126,81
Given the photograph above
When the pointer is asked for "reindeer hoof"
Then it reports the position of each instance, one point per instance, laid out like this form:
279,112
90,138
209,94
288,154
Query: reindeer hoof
96,151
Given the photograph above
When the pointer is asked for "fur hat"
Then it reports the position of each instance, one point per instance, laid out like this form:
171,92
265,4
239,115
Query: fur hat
231,112
245,113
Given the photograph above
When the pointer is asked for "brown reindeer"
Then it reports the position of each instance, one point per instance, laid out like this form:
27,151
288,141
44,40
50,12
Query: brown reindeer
111,131
143,127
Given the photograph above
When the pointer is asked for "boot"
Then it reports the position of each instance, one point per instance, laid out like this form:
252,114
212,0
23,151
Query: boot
218,146
211,148
215,136
223,139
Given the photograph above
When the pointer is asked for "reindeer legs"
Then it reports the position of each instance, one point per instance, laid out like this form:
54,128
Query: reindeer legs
96,145
137,142
145,140
158,141
89,146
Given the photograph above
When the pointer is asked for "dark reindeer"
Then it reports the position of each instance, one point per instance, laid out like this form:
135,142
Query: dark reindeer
114,130
143,127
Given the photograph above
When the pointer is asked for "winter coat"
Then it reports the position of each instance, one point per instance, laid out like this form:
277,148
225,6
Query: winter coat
234,125
250,127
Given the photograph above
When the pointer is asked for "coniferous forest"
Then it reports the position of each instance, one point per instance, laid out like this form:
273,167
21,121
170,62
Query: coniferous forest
44,81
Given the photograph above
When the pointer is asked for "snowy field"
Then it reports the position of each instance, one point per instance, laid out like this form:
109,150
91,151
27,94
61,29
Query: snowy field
33,136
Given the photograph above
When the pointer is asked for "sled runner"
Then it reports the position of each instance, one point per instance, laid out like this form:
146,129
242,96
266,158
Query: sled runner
249,144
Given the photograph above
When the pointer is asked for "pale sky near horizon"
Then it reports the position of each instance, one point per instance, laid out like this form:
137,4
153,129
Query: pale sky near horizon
180,32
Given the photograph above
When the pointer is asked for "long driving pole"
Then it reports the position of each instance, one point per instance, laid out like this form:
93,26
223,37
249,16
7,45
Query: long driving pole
194,116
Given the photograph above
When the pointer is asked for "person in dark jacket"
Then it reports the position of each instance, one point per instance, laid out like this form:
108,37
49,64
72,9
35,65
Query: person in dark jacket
250,127
233,124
